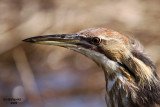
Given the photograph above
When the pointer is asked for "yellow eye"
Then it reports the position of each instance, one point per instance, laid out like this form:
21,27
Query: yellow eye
96,40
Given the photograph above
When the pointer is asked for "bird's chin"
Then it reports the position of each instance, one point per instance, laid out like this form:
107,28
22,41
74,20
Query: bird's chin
87,52
78,49
99,58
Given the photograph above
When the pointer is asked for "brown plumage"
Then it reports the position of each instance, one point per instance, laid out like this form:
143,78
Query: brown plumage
131,79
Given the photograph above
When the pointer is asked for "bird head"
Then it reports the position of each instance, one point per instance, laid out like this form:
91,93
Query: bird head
103,41
114,52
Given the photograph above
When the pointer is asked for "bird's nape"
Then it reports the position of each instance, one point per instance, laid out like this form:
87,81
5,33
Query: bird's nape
131,79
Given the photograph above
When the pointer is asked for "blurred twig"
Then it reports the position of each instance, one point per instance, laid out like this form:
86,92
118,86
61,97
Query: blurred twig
27,77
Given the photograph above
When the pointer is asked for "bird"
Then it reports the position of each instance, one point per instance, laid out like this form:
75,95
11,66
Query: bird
130,75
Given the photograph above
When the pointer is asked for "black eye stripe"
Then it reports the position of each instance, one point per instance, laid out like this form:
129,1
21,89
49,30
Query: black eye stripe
91,40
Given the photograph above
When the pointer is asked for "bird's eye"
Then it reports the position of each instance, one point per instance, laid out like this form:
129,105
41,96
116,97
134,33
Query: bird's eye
96,40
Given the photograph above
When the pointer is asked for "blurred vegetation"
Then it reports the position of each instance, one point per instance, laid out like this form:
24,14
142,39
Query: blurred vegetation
51,76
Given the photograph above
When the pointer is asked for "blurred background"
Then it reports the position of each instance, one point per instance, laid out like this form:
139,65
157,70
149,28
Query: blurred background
50,76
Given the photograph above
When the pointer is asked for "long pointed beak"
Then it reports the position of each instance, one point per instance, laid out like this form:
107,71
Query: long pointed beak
64,40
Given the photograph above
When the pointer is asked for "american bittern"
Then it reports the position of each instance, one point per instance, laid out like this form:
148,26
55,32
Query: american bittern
131,79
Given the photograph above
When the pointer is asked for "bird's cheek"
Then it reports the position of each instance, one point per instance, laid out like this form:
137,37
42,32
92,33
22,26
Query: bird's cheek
112,53
109,53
